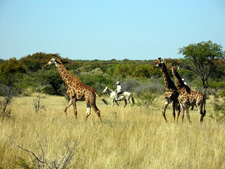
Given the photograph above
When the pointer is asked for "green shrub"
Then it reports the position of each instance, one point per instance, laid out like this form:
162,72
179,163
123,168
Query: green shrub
219,110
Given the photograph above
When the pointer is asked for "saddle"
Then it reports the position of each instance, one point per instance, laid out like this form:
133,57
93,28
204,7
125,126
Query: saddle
120,96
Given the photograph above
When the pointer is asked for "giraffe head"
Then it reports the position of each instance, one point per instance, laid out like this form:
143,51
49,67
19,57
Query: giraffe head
159,63
52,61
174,68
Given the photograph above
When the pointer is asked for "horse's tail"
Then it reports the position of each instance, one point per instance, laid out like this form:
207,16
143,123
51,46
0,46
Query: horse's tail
133,100
104,101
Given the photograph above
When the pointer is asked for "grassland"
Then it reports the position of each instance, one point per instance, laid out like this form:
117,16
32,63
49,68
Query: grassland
128,138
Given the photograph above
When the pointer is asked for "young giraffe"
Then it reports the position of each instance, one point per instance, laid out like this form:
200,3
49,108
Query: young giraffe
77,91
171,94
188,97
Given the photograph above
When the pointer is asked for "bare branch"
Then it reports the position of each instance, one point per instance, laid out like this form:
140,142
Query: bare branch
63,162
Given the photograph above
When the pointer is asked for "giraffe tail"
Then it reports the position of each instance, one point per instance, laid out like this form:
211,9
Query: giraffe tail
204,104
104,101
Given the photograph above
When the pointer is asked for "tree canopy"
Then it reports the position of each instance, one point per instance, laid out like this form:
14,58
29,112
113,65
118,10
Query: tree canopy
202,59
28,75
12,66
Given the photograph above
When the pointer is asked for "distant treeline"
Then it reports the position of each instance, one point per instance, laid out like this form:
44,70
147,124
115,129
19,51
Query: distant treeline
121,68
27,74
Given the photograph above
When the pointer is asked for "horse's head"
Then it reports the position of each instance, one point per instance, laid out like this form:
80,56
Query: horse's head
105,90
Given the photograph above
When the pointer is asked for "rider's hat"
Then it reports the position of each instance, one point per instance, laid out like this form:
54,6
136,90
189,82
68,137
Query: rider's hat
117,82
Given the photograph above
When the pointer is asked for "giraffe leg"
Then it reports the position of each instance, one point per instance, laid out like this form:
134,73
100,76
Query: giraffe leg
67,106
187,114
201,117
164,110
174,107
200,111
182,115
178,109
74,108
88,111
97,111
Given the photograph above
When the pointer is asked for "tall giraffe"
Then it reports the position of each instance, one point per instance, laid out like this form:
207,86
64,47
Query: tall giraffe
171,93
77,91
188,97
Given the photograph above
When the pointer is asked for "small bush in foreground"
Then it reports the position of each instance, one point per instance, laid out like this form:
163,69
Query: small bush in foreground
219,110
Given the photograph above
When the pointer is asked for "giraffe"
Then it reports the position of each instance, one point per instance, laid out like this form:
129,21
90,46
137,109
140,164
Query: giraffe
188,97
77,91
171,93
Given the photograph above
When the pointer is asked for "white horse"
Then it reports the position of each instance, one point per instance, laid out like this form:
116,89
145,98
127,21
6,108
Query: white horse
126,96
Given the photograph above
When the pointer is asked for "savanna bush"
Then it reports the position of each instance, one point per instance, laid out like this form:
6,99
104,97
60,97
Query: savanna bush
219,108
8,89
145,90
97,80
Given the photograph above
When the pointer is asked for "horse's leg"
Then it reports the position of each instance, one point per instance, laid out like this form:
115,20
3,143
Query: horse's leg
125,102
129,100
112,100
133,100
67,106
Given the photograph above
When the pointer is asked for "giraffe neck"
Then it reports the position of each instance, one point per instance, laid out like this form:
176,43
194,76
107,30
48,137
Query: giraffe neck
178,80
67,77
168,82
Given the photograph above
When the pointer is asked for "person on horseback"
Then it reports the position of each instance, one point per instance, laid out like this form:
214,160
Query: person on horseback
118,90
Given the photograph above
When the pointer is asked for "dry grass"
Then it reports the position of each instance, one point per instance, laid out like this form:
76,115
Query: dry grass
129,138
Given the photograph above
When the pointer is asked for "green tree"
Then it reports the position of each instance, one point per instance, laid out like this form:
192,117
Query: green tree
12,66
51,80
201,59
11,74
142,71
124,70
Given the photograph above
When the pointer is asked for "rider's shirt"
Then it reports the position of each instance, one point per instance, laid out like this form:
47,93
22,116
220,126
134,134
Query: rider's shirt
119,88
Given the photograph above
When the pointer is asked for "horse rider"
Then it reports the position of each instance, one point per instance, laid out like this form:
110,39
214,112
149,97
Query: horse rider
118,90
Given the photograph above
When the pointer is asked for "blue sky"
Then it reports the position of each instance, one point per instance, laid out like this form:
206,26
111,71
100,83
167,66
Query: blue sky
108,29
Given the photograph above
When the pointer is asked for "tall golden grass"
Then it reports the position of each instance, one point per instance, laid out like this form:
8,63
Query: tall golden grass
128,138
